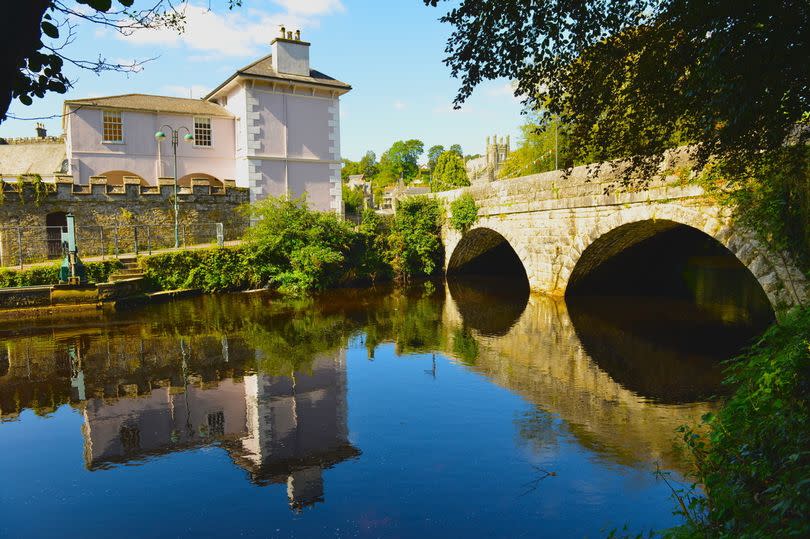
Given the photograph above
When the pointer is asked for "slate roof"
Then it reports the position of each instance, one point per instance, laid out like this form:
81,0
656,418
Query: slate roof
44,158
263,69
154,103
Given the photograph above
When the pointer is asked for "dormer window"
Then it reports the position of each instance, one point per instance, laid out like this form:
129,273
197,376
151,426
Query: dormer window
112,130
202,132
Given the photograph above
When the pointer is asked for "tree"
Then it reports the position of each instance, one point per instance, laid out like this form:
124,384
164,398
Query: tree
433,155
637,77
450,172
352,200
537,150
400,160
36,34
368,165
457,148
350,168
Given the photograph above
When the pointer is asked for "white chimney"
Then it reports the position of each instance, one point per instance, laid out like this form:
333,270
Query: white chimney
290,54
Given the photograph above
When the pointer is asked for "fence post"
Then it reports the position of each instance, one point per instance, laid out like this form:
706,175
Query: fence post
135,233
19,245
115,240
220,234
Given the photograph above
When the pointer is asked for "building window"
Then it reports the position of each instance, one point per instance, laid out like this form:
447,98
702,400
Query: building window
216,424
202,132
113,127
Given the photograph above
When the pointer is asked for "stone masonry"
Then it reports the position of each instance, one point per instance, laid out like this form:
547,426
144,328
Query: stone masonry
110,218
562,226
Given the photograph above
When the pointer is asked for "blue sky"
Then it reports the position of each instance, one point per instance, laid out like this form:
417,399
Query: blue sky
391,53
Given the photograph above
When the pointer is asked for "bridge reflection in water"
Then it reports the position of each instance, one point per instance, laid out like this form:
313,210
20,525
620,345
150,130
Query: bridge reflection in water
267,381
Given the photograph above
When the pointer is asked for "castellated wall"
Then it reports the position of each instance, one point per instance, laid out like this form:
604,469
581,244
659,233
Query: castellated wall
111,218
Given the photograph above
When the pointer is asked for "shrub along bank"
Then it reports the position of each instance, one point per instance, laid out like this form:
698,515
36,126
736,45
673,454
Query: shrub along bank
753,457
97,272
296,250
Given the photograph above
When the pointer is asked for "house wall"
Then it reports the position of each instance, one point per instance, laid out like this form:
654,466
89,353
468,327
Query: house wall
293,144
140,153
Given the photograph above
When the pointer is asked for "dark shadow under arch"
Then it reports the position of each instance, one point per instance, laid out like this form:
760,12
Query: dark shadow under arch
661,258
482,251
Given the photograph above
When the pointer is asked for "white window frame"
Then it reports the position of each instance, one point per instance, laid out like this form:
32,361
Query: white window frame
210,132
104,114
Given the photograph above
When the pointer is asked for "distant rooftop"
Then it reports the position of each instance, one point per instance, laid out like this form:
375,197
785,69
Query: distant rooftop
154,103
44,157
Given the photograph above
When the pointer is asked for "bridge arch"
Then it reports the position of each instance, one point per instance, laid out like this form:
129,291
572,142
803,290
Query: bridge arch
484,250
630,226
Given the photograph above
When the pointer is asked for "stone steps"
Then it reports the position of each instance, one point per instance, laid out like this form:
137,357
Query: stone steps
129,270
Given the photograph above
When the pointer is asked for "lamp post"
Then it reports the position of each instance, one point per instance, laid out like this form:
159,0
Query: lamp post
188,137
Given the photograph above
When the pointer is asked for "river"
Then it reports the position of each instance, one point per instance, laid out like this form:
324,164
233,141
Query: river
460,410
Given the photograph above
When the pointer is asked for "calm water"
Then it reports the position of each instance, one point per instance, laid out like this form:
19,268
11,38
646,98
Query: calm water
434,412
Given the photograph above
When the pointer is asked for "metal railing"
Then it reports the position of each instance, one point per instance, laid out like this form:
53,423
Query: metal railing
21,245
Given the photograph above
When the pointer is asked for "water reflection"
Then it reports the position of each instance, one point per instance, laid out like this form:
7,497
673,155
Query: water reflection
267,381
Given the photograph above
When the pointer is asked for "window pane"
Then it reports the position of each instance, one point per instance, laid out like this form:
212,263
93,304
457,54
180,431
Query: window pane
112,128
202,131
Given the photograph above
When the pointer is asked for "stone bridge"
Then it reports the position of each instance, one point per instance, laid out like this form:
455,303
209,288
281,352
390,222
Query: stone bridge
563,227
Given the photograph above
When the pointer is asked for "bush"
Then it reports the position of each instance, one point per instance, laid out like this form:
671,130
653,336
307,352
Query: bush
415,246
296,248
97,272
463,213
755,460
211,270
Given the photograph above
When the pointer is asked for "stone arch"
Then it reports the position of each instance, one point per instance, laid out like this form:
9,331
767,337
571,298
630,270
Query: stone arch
776,273
185,181
116,177
476,243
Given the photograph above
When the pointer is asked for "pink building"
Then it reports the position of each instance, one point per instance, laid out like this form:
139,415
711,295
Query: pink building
273,126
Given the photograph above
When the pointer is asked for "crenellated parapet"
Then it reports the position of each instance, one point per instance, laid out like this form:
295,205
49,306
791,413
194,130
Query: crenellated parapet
117,218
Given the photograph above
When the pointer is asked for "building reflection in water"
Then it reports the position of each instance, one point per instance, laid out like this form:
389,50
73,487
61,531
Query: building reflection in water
280,429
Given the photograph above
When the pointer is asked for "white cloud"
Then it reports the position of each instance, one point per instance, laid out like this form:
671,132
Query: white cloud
311,7
504,90
194,91
399,105
233,33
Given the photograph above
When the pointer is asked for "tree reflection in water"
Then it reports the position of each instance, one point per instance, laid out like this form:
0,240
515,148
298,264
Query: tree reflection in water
266,379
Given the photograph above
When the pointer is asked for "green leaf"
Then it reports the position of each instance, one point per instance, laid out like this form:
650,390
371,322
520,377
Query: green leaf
50,30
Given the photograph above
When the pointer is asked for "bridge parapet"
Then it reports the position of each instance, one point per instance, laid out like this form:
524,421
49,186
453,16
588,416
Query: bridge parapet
550,220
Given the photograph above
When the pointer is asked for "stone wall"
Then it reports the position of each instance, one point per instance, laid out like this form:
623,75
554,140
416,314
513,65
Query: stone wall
555,221
110,219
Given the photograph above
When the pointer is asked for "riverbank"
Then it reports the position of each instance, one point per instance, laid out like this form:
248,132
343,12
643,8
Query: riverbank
752,457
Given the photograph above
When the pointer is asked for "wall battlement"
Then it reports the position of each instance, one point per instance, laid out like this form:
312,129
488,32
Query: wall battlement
65,190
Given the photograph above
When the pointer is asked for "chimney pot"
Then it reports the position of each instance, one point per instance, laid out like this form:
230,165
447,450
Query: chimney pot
298,35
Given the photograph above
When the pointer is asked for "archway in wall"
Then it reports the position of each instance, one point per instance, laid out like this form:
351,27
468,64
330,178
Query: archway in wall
116,177
185,181
488,282
485,252
662,258
55,224
658,289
